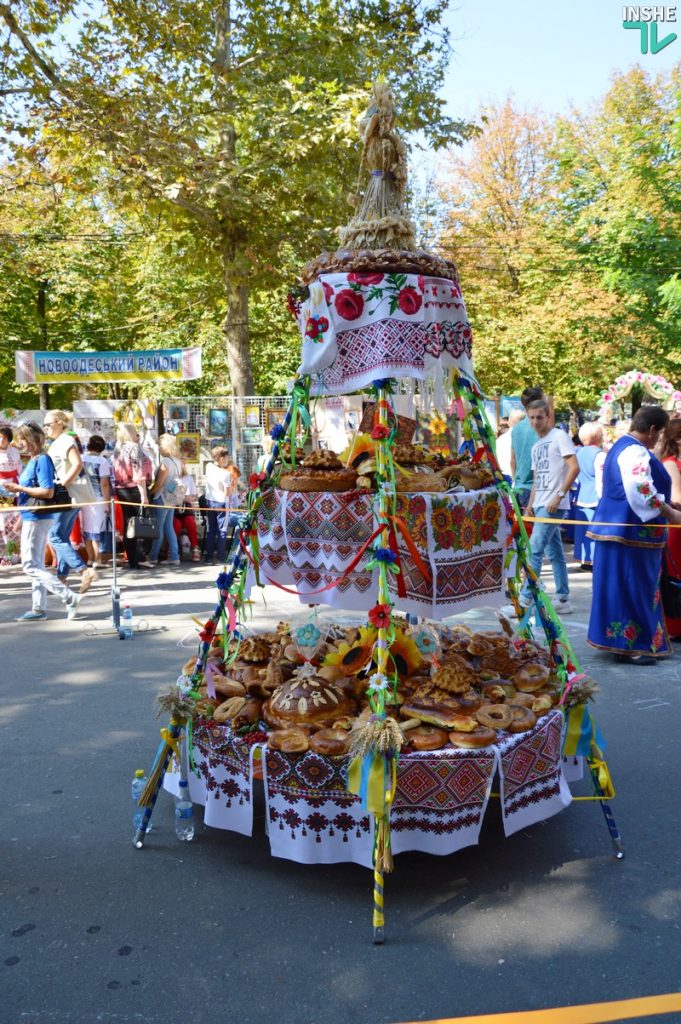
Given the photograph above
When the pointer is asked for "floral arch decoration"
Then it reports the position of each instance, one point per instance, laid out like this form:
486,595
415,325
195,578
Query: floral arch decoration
651,383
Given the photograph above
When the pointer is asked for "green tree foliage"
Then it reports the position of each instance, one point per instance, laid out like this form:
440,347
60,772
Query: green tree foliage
567,235
239,117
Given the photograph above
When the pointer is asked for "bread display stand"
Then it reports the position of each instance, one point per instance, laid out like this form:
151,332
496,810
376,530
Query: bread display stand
373,313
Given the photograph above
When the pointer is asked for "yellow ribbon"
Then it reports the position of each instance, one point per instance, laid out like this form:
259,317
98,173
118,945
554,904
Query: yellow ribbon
603,775
172,742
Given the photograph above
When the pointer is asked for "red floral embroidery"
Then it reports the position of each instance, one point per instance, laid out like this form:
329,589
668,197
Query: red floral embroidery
349,305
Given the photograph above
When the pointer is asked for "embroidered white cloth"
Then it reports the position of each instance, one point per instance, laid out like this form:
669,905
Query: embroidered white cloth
308,540
360,327
441,796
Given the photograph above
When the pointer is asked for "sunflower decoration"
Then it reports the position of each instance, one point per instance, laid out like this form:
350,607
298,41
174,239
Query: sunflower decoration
437,425
353,657
360,448
403,655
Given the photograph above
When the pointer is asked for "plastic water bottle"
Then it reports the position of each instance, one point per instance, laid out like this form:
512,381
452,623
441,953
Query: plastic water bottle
184,813
126,623
138,783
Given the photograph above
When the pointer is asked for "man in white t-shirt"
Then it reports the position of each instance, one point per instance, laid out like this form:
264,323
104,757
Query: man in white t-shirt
554,468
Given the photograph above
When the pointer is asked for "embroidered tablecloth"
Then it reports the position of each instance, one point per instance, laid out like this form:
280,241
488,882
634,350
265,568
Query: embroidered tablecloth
439,807
358,327
308,540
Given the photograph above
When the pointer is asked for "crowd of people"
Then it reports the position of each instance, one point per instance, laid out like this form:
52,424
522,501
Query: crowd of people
56,484
625,506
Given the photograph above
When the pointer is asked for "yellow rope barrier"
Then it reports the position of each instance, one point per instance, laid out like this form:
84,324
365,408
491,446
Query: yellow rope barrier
588,1013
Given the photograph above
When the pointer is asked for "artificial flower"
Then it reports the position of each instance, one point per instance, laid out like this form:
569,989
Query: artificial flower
352,658
255,479
404,654
224,581
360,448
385,555
437,425
308,635
378,682
277,432
380,432
379,616
208,631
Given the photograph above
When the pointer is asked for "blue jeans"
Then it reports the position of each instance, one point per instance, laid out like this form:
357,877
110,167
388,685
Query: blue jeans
166,530
217,521
58,539
546,539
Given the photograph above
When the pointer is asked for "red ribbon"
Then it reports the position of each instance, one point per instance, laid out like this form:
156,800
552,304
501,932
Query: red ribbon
408,540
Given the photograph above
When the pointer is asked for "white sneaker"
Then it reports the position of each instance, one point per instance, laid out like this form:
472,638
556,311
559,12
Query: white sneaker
72,607
564,607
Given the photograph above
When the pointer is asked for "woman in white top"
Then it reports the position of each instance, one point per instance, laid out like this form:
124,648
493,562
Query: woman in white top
218,480
68,465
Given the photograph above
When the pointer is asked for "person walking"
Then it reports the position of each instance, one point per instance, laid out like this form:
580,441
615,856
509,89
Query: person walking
37,481
554,468
504,440
626,618
93,518
132,471
65,454
166,493
217,481
588,456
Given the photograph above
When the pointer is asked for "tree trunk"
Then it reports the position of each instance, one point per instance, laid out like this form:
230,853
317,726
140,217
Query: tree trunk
235,325
41,308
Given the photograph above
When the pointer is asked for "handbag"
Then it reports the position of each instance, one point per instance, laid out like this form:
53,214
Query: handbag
41,505
670,589
81,490
142,525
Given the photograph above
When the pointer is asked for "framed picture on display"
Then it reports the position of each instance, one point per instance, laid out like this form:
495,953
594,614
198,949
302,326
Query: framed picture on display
252,415
202,423
217,422
251,435
177,410
273,418
189,444
352,421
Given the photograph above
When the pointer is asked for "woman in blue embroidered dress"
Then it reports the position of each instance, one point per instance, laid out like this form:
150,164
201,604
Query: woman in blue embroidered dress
626,611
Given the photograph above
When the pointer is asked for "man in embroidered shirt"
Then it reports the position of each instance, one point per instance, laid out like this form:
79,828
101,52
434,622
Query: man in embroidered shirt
554,469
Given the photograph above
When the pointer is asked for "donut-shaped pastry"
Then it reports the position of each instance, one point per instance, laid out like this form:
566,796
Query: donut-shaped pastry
427,737
330,742
493,716
481,737
531,677
522,718
229,709
290,741
526,699
249,714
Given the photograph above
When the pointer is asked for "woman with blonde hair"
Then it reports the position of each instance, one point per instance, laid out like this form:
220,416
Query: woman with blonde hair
166,493
37,483
64,452
132,473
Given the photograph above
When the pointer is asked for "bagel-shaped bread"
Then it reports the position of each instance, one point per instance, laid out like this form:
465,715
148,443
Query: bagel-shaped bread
531,677
522,719
249,714
330,742
481,737
227,687
493,716
229,708
526,699
427,737
290,741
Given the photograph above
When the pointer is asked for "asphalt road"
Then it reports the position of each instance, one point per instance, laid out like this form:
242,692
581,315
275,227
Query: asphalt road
218,930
